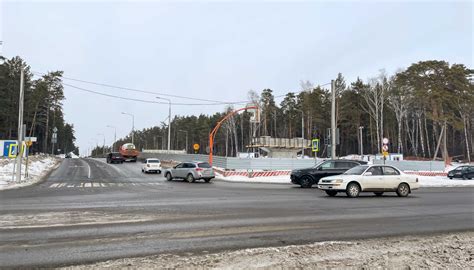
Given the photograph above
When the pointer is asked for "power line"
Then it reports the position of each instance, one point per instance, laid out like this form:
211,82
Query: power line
139,90
139,100
169,95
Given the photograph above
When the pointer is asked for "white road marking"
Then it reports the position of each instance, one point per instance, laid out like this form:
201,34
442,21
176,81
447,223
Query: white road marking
88,185
54,185
89,175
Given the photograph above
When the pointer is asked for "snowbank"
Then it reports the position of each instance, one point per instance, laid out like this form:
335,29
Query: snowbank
425,181
38,167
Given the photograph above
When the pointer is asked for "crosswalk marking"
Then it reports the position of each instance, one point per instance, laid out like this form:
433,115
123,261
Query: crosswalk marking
99,185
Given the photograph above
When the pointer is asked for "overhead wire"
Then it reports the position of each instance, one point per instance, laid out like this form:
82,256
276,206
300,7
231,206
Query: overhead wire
211,102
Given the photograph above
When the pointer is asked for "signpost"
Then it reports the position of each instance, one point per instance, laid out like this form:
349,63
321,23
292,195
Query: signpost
196,148
315,145
385,142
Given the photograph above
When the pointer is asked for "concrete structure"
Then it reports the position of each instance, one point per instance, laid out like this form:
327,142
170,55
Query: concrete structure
280,147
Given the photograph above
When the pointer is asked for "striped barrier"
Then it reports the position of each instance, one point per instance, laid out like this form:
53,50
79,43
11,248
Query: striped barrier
427,173
251,174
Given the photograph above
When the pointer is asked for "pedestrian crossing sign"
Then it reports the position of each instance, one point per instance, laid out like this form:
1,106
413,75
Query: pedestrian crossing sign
315,145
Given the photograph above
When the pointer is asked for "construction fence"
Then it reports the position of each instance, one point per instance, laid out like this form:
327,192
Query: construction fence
282,164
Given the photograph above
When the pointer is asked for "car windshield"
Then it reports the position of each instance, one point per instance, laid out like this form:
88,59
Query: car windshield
204,165
153,161
358,170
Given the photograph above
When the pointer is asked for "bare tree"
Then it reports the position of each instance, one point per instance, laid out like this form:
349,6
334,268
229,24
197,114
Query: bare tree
374,96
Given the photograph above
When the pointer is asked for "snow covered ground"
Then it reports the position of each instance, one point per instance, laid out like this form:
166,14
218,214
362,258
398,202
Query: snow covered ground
38,167
446,251
425,181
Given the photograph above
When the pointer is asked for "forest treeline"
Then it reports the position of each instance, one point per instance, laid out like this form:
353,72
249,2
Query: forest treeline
425,107
43,107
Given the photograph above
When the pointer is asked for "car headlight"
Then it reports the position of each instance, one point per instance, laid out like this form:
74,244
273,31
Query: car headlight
337,181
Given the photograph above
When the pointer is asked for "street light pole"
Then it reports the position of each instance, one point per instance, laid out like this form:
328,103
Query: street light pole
169,122
333,120
361,142
19,151
115,137
133,124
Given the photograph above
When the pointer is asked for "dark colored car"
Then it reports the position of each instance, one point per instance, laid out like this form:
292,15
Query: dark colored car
310,176
114,157
464,172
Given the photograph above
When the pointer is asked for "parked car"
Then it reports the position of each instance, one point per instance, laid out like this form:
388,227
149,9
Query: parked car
464,172
114,157
68,155
191,171
370,178
151,165
308,177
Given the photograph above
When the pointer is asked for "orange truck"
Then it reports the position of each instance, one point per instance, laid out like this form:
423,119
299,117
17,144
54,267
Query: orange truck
129,152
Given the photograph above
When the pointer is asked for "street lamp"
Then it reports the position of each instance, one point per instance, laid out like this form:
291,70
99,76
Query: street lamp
169,122
115,137
133,123
185,131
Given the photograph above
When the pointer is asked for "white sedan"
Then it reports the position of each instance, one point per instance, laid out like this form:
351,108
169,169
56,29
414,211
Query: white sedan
370,178
151,165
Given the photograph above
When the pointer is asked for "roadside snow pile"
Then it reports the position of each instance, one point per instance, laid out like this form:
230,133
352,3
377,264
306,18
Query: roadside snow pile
38,166
443,181
447,251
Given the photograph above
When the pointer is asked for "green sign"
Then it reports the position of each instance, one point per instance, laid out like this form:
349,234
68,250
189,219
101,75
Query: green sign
315,145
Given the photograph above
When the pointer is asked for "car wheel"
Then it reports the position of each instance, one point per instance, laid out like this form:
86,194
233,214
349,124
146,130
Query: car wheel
403,190
451,178
143,170
464,177
378,194
207,180
190,178
353,190
168,177
331,193
158,172
306,182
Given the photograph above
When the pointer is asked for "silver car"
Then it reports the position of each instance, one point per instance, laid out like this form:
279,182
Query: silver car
191,171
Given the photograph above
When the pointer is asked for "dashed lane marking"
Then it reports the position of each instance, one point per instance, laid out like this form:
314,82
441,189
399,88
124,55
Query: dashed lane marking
99,185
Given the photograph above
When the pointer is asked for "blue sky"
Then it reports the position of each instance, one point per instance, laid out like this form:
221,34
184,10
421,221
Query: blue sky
221,50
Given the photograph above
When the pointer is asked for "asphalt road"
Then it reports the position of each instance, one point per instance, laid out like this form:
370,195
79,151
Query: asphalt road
89,211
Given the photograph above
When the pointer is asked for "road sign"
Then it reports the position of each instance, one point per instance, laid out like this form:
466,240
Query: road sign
385,141
385,154
315,145
385,148
196,146
55,129
31,139
29,143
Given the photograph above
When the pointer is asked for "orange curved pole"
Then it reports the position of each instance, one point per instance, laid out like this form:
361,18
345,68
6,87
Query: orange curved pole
213,133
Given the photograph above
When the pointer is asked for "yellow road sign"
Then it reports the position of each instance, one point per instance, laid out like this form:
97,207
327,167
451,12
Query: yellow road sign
196,146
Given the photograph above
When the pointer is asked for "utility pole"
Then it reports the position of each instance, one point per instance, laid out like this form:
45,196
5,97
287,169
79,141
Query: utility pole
19,151
333,120
169,122
302,134
361,142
